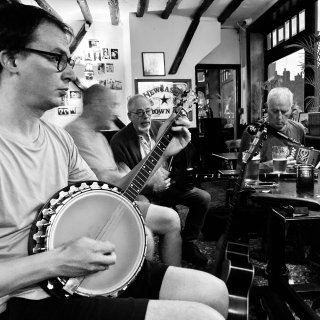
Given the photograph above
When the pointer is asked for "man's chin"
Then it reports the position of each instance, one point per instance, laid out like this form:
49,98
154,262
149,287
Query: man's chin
144,128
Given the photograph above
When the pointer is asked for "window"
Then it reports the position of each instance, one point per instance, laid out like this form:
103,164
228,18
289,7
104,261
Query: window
274,38
280,34
269,38
293,26
318,17
288,72
302,24
286,30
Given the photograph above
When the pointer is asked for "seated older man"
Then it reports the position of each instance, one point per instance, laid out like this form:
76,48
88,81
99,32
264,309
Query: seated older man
282,131
133,143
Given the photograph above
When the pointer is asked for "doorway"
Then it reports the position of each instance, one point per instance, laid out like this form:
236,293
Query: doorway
219,110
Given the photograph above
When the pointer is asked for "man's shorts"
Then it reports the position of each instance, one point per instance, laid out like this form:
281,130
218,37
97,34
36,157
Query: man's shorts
130,305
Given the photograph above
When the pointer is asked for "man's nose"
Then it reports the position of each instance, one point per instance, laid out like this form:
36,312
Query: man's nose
68,73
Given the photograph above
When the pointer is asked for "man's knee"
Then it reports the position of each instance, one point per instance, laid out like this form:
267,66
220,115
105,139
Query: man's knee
180,310
171,220
218,289
204,195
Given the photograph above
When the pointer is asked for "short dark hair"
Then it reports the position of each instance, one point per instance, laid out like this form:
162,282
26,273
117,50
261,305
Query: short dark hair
18,23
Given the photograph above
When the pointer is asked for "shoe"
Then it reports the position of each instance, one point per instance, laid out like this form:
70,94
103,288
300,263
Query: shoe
314,258
191,253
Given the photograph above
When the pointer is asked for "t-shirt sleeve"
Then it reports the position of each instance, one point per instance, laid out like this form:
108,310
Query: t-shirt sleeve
78,168
95,150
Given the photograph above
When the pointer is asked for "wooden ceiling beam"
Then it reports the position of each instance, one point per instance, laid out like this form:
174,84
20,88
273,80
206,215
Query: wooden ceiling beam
85,27
85,11
202,8
184,46
142,8
45,5
189,35
114,11
9,1
78,37
229,10
168,9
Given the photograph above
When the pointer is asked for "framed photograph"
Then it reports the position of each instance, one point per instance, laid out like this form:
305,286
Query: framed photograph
153,64
75,94
303,117
160,92
63,111
304,120
114,54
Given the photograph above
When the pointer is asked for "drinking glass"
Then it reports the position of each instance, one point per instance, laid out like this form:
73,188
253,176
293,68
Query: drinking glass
279,157
252,171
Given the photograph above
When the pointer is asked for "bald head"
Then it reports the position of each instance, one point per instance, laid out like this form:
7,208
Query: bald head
279,103
135,101
99,104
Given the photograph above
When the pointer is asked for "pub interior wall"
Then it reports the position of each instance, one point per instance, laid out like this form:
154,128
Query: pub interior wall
135,35
154,34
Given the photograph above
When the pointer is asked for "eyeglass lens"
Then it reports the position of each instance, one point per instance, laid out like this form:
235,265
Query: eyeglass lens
64,61
140,113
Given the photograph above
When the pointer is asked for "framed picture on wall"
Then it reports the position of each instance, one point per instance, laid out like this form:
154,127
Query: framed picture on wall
304,119
161,93
153,64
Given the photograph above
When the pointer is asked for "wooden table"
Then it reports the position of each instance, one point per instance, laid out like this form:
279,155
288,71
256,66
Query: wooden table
228,157
279,216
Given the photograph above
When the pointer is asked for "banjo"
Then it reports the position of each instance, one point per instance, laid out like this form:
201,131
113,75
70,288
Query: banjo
100,211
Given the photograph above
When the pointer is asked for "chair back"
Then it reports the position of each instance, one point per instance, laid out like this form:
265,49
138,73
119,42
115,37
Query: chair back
233,145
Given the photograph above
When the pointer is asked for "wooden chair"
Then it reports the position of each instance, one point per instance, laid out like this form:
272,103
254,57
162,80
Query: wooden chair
233,145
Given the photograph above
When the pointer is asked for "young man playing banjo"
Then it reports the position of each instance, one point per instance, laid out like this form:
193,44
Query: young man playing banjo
37,160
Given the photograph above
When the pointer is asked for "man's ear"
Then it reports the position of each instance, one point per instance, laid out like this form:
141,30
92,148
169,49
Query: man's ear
8,61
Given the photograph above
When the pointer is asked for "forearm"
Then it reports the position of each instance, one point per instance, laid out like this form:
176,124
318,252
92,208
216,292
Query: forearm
124,182
110,176
23,272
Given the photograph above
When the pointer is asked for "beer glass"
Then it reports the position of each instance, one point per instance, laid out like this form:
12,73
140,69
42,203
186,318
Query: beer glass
279,157
252,171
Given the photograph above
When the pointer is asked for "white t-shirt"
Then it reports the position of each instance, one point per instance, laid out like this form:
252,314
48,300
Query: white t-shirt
93,147
29,176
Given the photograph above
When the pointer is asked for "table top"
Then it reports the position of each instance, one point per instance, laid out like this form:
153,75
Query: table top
226,155
287,193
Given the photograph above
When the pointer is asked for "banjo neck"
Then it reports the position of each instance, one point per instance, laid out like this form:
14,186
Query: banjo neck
139,180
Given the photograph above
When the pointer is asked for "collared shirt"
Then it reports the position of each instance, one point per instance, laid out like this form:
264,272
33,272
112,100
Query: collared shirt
145,145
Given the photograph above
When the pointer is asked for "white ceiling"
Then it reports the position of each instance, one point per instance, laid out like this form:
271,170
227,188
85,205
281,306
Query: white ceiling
69,9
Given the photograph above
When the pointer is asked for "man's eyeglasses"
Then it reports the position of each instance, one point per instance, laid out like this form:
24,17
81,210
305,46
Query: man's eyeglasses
140,113
61,59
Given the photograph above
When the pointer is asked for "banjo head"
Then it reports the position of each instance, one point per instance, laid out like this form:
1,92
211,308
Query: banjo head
98,211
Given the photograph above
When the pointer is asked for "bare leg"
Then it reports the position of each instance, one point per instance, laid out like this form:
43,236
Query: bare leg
192,285
150,244
166,222
180,310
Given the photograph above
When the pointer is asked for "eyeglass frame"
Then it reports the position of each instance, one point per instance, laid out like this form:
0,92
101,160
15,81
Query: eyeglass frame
59,57
148,112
